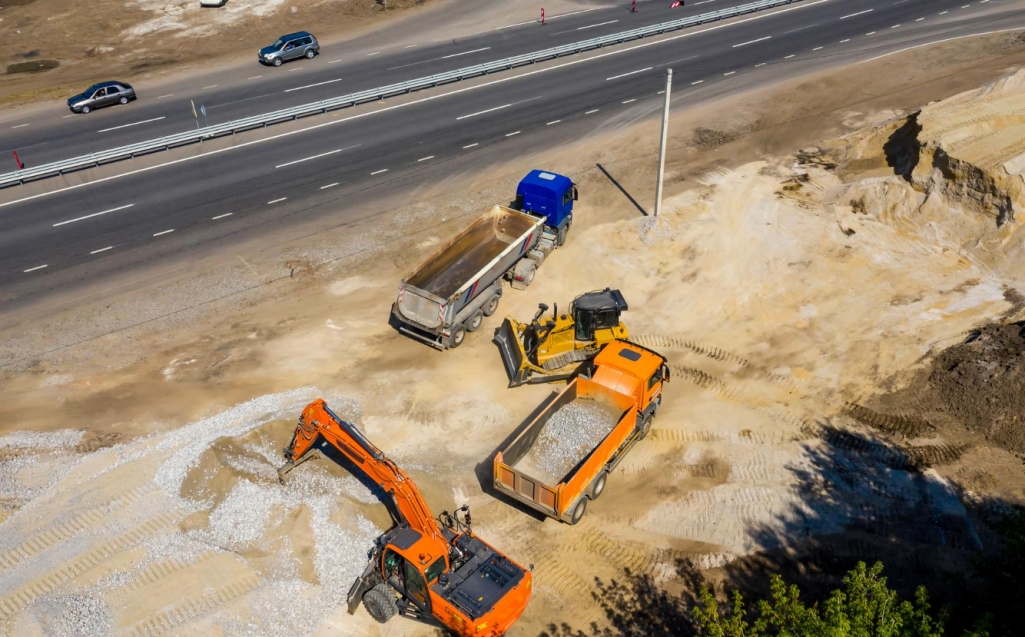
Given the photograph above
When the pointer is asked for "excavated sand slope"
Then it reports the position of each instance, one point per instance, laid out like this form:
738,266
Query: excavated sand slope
787,297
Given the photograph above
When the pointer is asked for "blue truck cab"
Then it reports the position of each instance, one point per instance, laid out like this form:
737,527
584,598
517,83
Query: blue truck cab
546,194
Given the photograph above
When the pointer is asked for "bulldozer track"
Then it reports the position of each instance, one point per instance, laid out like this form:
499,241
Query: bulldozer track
19,599
908,425
671,341
190,608
568,358
64,530
615,553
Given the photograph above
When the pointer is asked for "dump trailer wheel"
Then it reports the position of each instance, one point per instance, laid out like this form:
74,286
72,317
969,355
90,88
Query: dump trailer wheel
474,321
458,336
646,425
492,305
528,276
380,603
578,511
599,485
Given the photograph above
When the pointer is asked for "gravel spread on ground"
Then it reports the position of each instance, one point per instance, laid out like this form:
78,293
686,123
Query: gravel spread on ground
570,434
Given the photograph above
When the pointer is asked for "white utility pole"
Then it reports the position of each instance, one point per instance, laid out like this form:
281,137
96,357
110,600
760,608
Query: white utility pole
662,148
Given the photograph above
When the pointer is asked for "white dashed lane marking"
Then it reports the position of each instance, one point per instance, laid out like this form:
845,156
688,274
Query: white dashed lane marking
277,200
378,172
38,267
227,214
163,232
95,214
102,250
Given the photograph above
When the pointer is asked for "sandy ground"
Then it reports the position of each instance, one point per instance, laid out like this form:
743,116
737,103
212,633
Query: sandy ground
799,298
54,48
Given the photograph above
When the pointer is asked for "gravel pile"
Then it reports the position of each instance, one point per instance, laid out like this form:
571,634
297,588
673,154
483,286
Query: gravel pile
74,615
570,434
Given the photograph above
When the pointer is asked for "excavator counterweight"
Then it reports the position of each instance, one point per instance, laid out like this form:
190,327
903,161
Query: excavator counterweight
432,570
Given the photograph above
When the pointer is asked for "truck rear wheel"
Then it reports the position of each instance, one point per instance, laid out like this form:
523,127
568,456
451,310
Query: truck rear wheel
562,234
578,511
646,425
528,276
458,336
492,305
599,485
380,603
474,321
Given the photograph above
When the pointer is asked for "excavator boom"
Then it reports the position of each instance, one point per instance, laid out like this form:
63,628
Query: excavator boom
317,420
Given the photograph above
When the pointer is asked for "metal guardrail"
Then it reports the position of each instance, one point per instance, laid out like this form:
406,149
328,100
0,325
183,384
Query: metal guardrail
257,121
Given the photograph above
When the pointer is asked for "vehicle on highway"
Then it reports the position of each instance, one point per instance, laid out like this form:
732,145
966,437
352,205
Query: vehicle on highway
102,94
290,47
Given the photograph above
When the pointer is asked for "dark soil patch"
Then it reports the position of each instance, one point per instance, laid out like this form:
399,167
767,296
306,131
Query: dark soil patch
981,383
34,66
16,3
711,138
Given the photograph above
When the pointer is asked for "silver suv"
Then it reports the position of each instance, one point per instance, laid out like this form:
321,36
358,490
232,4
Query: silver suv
290,47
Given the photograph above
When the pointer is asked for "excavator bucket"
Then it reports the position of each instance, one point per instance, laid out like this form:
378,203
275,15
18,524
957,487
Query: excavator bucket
510,344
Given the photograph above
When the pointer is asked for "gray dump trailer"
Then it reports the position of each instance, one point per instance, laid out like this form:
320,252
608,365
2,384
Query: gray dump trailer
452,291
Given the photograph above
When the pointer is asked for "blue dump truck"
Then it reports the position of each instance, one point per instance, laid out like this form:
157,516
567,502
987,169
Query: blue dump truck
451,292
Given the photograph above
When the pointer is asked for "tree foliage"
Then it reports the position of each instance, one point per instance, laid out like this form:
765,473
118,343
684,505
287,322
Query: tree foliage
864,607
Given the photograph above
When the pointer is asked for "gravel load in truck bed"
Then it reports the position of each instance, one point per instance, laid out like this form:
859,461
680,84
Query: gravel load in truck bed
569,435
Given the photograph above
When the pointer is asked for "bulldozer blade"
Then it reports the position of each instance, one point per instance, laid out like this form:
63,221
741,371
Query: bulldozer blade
511,348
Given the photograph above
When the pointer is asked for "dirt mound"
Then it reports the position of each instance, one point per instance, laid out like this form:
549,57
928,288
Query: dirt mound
981,383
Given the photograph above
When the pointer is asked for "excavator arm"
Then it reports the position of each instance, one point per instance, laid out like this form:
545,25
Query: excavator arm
317,421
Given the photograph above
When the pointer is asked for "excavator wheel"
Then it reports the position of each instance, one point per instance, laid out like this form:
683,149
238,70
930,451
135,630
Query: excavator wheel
380,603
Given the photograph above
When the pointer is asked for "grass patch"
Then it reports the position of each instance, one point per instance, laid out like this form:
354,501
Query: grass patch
32,66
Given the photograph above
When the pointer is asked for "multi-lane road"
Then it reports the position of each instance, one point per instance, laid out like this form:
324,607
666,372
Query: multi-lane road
59,233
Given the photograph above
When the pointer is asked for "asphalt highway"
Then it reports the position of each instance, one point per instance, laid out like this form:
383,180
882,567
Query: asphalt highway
255,88
65,232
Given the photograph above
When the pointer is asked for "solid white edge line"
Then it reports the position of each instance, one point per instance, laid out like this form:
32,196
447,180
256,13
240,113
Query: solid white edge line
227,214
414,102
299,88
378,172
163,232
616,77
329,186
497,108
455,55
277,200
145,121
95,214
600,24
38,267
425,158
918,46
858,13
752,41
102,250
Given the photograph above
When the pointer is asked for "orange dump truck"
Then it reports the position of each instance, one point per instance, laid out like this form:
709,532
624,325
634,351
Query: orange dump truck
563,457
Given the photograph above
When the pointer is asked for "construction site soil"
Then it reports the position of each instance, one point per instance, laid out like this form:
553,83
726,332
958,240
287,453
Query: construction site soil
842,324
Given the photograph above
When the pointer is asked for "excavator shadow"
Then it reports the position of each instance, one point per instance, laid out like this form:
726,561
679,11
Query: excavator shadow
485,471
330,453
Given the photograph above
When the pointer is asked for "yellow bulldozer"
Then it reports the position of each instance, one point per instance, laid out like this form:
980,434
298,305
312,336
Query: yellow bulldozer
552,348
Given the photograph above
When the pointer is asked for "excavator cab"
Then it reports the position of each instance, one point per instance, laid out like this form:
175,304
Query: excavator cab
552,348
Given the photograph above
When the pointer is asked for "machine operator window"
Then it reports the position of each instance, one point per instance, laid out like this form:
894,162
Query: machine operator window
607,318
393,567
434,570
585,326
416,588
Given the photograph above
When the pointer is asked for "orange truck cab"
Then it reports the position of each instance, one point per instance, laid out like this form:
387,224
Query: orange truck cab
625,376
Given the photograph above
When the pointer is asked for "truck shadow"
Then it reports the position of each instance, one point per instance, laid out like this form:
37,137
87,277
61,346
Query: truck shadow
615,183
485,471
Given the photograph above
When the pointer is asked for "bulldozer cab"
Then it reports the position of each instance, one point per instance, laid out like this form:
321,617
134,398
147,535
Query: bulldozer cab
595,311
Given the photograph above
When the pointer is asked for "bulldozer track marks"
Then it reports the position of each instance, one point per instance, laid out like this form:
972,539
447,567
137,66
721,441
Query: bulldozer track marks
154,573
614,552
745,437
904,457
64,530
908,425
24,596
670,341
190,608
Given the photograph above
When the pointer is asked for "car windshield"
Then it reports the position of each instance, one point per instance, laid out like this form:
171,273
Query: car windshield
277,43
91,89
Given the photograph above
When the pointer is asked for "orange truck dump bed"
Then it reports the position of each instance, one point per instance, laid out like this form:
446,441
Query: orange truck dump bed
562,459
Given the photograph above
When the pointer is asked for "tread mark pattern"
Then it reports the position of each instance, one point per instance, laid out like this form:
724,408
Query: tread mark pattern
190,608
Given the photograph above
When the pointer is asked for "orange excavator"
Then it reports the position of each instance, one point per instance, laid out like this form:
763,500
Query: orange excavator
432,570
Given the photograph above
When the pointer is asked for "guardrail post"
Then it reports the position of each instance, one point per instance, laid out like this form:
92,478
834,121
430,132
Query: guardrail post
662,146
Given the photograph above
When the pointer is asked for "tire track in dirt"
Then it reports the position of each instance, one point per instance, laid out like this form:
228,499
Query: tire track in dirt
908,425
676,341
191,607
64,530
152,574
14,602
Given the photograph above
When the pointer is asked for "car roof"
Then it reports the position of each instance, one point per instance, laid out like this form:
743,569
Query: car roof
297,34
